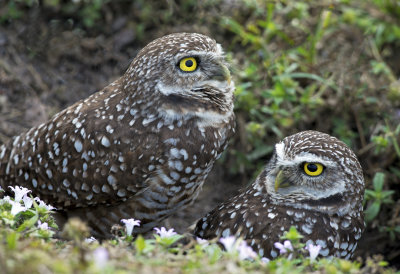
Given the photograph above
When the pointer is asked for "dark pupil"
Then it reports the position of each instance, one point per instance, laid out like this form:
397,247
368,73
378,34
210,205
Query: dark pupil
312,167
189,63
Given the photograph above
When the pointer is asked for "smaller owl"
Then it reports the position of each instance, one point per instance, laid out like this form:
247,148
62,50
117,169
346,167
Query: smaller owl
313,182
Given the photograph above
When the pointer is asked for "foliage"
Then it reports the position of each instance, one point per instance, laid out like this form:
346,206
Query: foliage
290,87
25,245
377,197
88,11
296,71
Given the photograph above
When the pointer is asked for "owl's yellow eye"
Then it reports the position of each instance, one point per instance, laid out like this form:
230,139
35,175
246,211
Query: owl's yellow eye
188,64
313,169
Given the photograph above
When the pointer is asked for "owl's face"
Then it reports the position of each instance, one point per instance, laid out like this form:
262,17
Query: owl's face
188,72
316,172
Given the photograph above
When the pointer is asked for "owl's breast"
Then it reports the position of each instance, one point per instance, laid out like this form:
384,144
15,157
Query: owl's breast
187,154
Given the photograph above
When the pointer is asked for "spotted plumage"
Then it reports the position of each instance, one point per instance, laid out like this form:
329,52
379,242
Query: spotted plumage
313,182
141,147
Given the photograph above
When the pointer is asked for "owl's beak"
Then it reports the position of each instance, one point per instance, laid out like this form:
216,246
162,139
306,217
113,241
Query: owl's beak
222,73
281,181
227,74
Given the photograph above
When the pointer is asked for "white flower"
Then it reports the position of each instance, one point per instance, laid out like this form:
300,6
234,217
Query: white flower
285,247
314,251
28,202
265,260
130,224
19,192
202,242
43,204
6,199
232,244
229,243
43,226
90,240
100,257
246,252
16,208
164,233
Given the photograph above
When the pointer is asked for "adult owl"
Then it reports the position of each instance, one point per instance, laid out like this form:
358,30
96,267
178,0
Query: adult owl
313,182
141,147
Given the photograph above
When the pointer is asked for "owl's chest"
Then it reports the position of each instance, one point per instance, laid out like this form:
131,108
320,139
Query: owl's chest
336,235
187,140
185,155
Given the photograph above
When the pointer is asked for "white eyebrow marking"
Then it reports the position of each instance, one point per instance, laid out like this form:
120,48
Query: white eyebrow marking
280,150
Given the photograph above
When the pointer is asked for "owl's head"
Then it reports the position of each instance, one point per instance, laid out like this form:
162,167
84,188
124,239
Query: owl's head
315,171
187,72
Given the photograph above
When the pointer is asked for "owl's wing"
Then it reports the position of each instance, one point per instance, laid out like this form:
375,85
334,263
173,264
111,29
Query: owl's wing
87,154
240,216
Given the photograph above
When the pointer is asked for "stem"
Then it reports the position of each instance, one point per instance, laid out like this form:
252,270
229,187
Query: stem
394,139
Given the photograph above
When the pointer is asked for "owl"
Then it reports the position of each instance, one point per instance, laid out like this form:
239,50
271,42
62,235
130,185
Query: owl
313,182
139,148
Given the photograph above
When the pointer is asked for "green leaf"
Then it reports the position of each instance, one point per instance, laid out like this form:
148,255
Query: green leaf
372,211
383,263
292,234
378,181
167,241
260,152
370,194
140,244
214,252
28,223
12,239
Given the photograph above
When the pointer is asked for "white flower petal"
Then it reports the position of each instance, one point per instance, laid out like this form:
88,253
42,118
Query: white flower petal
229,243
19,192
130,224
100,257
164,233
17,208
314,251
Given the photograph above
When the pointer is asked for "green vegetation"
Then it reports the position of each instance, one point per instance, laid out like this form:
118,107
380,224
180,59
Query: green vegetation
28,228
332,66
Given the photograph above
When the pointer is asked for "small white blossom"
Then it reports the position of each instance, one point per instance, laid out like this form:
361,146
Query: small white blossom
100,257
43,226
6,199
201,241
164,233
28,202
130,224
314,251
265,260
229,243
90,240
19,192
285,247
43,204
16,208
246,252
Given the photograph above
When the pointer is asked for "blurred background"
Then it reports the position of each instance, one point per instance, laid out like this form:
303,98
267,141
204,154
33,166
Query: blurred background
332,66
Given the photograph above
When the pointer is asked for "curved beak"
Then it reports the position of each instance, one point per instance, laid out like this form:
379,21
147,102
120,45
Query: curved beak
222,73
281,181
